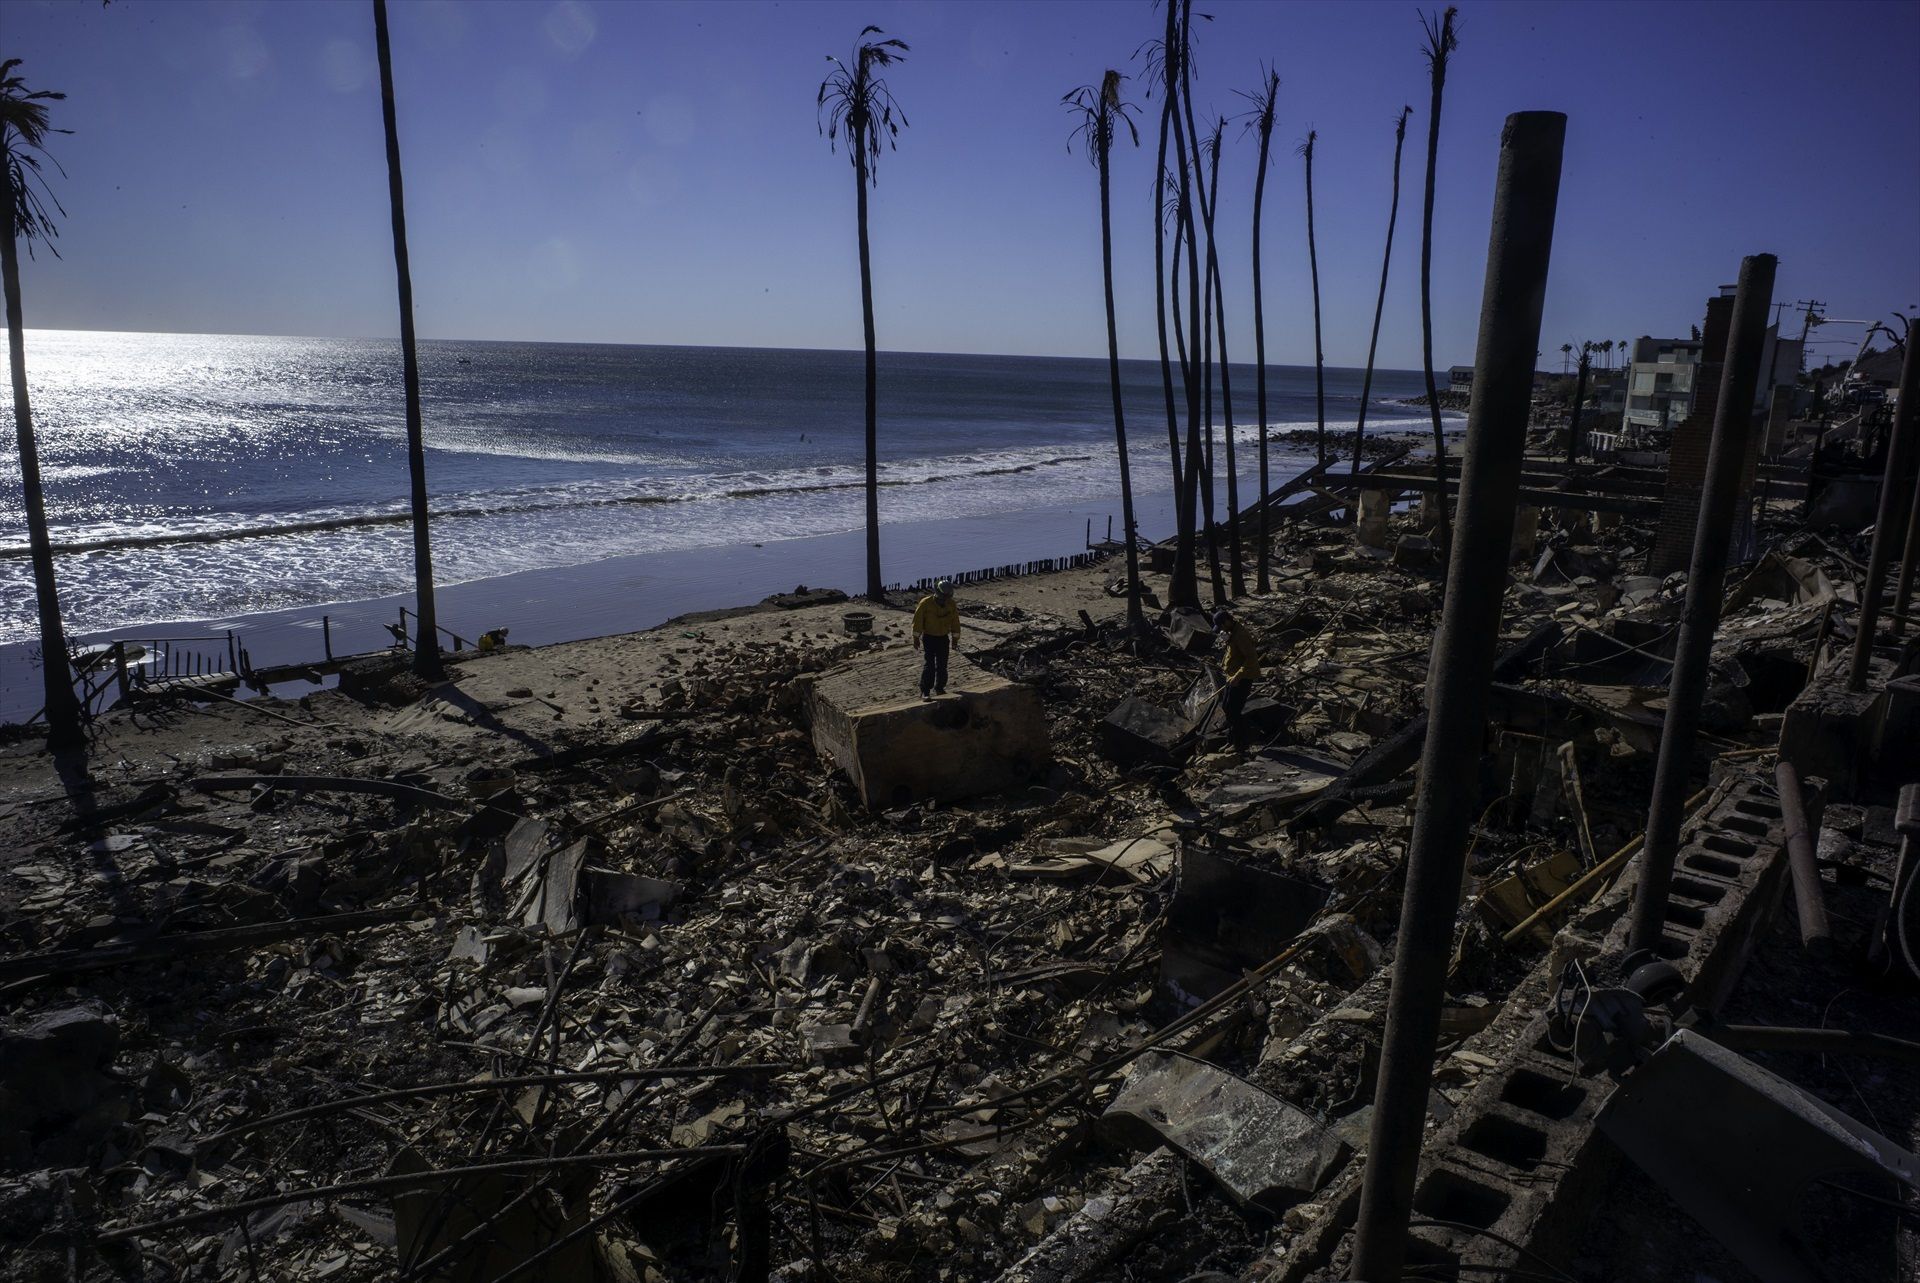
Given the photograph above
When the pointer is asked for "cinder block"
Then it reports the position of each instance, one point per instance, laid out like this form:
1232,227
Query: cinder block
986,734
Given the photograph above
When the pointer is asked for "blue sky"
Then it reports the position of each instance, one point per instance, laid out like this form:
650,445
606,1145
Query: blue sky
652,173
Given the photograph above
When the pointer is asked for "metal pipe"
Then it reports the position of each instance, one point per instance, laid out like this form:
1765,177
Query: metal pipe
1526,195
1706,575
1908,407
1889,523
1782,1038
1808,896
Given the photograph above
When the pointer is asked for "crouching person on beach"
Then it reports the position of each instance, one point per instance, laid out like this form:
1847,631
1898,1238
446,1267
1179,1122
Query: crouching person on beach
1242,667
936,626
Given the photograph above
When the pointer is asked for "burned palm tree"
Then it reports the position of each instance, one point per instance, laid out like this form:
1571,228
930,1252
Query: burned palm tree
1218,293
1183,591
1197,300
1154,55
26,198
1319,353
1100,113
426,645
1441,42
854,100
1380,304
1264,100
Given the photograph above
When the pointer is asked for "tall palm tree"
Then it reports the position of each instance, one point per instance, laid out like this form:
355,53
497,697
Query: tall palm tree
1264,100
426,645
1183,591
1200,295
24,129
1100,112
1566,359
1319,352
1386,261
1441,42
852,98
1239,575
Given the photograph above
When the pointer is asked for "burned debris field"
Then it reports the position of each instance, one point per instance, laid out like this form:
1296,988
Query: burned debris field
592,961
1423,823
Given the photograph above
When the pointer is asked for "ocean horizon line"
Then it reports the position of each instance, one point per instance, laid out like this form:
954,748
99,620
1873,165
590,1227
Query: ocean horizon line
1150,359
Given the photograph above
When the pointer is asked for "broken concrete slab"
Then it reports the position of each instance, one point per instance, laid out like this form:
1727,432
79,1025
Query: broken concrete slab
1263,1151
1739,1146
985,735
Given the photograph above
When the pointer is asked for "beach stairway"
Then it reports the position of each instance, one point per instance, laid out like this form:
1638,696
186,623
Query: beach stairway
984,735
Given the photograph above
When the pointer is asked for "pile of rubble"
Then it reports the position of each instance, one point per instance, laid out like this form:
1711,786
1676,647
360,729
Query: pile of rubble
646,981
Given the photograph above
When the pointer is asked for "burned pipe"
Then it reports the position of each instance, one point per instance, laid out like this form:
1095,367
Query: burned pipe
1889,523
1706,574
1808,896
1526,196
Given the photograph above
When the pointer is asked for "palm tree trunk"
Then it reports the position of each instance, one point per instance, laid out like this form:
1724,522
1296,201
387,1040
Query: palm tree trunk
1179,326
1443,45
1319,352
875,590
64,732
1226,386
1160,273
1261,581
1380,303
1184,591
426,646
1198,295
1136,622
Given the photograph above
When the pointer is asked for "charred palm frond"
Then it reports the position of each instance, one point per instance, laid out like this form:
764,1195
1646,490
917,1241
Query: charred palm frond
854,101
1100,112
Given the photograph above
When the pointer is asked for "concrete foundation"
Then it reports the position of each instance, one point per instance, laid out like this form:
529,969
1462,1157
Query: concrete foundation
984,735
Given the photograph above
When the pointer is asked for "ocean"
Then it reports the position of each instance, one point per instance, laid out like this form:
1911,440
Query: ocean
204,477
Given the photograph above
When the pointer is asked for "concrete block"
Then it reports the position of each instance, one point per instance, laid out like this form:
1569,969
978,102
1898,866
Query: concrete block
1829,730
984,735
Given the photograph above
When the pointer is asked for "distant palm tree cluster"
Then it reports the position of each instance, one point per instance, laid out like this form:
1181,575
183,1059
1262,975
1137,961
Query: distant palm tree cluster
855,104
856,107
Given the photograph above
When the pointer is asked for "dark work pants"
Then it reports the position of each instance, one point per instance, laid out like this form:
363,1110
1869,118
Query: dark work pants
933,672
1231,704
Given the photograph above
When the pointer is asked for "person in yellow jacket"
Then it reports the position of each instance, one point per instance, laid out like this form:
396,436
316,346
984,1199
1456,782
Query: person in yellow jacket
936,626
1242,667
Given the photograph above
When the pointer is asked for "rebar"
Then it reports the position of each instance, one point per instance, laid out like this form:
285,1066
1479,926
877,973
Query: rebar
1525,200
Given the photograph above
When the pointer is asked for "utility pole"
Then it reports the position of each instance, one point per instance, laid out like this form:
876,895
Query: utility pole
1526,196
